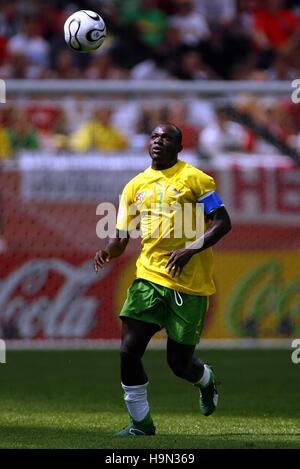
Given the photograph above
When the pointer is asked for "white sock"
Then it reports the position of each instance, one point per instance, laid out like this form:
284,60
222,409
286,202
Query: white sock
205,377
136,401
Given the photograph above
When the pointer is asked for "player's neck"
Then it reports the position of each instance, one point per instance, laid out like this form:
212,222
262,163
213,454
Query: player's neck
161,166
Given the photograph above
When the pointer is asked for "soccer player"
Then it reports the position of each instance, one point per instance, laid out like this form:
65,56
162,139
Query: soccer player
174,277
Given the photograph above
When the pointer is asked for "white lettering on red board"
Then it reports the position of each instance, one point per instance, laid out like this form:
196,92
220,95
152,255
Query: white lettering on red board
70,313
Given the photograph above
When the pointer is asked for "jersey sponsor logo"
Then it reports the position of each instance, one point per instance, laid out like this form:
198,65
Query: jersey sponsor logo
140,196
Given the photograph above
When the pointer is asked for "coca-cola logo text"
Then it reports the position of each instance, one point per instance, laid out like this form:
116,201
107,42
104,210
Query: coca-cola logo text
27,310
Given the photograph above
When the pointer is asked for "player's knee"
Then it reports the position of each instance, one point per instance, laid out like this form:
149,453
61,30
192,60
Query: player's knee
177,366
130,347
128,357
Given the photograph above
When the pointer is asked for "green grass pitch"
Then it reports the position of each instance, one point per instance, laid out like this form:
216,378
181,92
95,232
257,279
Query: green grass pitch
72,399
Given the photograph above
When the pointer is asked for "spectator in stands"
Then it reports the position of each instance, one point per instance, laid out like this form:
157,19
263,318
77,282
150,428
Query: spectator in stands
226,48
192,67
156,112
200,39
103,67
222,12
42,115
217,53
274,26
57,141
177,114
261,123
150,21
167,6
200,112
65,69
78,110
5,146
172,49
125,115
147,120
222,30
8,26
152,68
280,122
291,51
30,42
281,69
127,9
18,67
98,134
221,136
22,135
192,25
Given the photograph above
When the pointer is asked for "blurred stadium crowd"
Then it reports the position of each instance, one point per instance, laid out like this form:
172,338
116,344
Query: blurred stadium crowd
152,39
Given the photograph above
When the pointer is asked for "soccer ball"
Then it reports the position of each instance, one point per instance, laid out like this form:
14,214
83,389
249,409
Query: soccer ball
85,31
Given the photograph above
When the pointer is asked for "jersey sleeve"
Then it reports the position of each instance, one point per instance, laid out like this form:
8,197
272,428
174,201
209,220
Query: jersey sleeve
207,195
126,211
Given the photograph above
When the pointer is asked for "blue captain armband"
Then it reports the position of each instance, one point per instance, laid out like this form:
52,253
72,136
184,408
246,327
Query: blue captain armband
211,202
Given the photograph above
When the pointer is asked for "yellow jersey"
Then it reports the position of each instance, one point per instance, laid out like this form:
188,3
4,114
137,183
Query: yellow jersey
154,198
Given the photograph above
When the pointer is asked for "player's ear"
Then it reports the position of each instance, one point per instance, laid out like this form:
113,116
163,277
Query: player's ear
180,148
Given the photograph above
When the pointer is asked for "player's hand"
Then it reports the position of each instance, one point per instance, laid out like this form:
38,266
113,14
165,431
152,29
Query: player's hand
100,259
177,260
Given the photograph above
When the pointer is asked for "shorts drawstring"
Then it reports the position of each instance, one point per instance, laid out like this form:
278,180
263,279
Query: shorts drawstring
178,298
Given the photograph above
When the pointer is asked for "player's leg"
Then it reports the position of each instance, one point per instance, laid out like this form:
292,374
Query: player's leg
182,361
142,316
184,325
135,338
185,365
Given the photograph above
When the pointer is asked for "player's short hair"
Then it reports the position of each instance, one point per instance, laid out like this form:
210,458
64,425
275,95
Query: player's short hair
179,133
177,129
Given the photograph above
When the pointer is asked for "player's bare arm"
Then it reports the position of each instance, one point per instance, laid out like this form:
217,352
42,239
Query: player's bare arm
219,226
114,248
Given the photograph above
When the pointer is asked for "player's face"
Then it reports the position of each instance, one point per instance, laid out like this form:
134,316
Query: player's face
164,146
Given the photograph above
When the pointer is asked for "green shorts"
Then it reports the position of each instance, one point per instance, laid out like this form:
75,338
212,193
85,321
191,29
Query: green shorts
182,315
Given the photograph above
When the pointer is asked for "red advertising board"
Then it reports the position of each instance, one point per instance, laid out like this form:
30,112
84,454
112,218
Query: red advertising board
49,289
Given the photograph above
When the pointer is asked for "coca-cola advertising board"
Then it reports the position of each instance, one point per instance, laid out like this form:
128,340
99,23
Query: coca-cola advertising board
50,291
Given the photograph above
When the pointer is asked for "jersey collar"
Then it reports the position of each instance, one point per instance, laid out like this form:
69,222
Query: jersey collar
166,172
